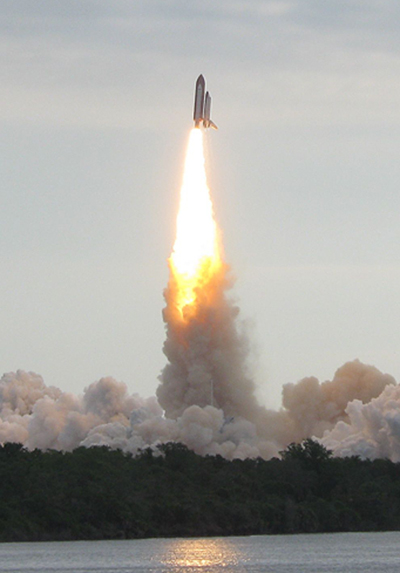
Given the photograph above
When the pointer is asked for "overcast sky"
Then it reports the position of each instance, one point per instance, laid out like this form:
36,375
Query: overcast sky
95,110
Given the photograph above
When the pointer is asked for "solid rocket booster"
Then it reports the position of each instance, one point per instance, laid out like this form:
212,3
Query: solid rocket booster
202,105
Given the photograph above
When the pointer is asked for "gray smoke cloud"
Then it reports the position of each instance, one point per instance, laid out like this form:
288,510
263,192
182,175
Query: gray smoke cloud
206,354
371,430
44,417
206,400
315,408
41,416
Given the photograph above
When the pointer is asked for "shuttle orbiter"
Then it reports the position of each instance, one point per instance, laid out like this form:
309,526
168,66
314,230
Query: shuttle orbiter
202,105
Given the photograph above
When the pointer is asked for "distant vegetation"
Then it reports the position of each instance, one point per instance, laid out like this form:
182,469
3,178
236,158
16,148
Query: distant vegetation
98,493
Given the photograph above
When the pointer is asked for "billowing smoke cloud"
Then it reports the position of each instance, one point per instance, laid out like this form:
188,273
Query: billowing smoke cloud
372,430
356,413
206,354
44,417
314,408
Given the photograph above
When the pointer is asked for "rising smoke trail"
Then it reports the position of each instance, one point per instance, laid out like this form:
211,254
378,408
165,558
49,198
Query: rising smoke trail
206,353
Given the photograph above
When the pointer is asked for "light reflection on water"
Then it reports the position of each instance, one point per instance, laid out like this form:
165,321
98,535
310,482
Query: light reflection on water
329,553
207,554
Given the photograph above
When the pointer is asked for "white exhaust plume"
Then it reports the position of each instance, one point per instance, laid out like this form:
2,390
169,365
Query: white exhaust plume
368,424
315,408
372,430
207,356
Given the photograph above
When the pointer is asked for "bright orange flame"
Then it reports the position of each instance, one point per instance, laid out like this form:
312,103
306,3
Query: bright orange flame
196,253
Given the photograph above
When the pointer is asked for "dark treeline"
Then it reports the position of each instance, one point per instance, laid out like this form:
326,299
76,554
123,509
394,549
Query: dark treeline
98,493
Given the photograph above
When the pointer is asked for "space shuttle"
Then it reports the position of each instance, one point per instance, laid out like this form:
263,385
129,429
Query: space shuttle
202,105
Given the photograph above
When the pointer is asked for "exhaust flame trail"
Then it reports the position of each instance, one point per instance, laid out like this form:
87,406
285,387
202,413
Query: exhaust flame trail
205,350
196,253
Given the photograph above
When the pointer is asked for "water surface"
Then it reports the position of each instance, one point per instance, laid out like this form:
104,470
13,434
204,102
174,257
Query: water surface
323,553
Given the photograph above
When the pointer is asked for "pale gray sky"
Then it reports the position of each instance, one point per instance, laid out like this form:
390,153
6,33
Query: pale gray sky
95,109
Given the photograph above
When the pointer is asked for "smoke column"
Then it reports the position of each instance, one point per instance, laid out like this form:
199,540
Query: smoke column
206,354
206,394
